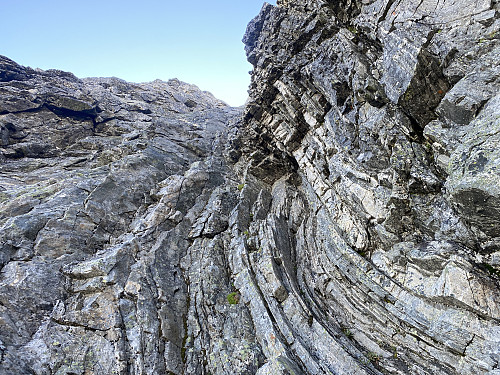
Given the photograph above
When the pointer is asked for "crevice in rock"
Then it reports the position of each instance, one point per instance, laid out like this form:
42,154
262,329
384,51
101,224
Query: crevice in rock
78,115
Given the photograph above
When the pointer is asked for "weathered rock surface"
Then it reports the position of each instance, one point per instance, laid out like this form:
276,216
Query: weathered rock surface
346,221
113,198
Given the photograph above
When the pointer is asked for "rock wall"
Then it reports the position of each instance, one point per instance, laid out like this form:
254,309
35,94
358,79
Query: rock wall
388,111
113,198
346,221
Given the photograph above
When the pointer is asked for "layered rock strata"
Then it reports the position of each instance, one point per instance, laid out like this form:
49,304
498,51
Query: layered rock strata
388,111
346,221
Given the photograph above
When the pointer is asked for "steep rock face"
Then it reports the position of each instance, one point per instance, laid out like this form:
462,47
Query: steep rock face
382,118
113,198
346,222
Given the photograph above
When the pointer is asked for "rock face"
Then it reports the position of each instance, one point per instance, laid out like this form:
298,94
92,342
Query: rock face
113,199
346,221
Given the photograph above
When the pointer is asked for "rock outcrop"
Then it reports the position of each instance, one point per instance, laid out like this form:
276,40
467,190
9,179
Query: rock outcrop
346,221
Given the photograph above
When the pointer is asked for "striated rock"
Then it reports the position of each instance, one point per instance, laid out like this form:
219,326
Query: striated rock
346,221
384,115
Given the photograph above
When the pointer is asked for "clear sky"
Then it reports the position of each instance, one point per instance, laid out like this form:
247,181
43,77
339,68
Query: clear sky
196,41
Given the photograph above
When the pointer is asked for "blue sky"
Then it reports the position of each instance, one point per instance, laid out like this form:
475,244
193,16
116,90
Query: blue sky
195,41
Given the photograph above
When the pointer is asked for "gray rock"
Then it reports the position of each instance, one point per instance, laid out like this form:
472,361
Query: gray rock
346,221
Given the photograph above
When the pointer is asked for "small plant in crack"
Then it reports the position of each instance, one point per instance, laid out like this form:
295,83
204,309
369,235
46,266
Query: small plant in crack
347,332
233,298
241,186
394,351
373,357
352,29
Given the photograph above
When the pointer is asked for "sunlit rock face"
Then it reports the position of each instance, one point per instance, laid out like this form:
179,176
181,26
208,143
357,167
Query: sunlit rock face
346,221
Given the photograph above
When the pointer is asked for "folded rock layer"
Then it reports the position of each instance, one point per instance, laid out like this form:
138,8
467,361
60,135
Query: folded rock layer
345,221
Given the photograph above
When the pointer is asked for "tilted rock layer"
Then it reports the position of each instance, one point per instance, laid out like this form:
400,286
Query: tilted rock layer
346,221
